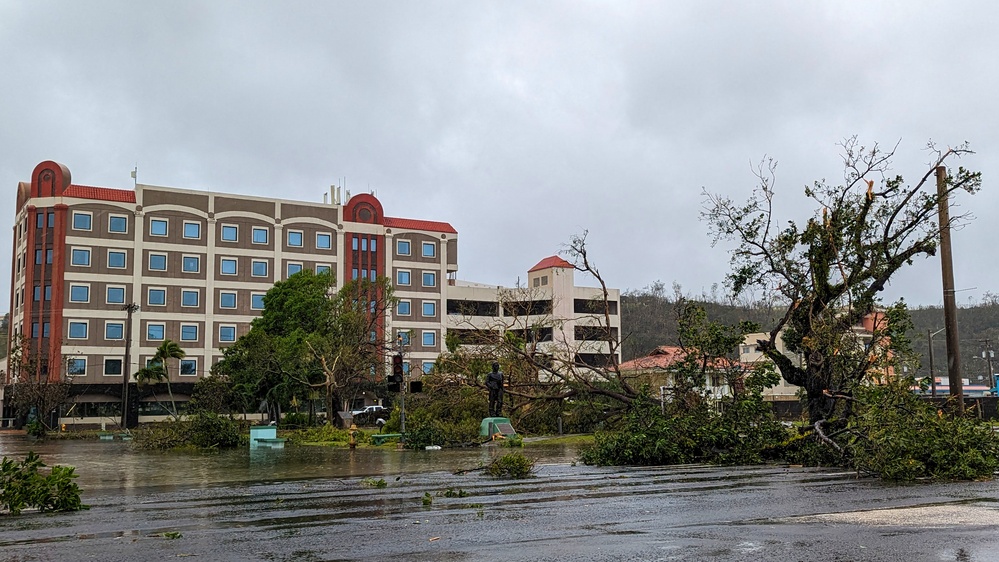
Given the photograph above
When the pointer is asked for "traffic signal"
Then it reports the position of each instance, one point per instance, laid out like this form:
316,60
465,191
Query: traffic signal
396,368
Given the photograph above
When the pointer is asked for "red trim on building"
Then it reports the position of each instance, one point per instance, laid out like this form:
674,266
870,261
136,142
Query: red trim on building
49,179
100,193
13,309
58,290
550,262
29,275
416,224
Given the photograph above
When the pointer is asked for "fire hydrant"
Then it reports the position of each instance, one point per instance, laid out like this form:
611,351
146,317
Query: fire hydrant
353,436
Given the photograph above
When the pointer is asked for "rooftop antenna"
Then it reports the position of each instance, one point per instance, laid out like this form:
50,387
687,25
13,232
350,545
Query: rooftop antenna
135,173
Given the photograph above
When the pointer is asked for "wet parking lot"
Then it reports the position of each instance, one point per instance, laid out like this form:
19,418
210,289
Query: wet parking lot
313,504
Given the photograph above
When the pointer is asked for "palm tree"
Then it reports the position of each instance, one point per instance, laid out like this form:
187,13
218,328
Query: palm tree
156,371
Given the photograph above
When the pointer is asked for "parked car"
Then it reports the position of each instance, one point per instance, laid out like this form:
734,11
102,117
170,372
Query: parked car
369,410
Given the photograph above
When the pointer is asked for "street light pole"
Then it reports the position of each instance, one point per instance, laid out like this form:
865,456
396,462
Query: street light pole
933,376
126,368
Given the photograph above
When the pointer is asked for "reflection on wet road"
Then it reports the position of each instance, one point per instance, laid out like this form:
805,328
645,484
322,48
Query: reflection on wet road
314,504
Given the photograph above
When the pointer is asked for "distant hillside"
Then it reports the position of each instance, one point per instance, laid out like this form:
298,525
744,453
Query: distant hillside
648,320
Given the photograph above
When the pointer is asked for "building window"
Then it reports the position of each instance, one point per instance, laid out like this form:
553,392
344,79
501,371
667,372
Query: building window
192,230
353,274
45,329
259,268
230,233
295,238
429,309
294,268
157,262
116,295
429,339
429,279
259,235
76,367
189,298
155,332
322,269
48,292
227,333
228,266
188,367
112,367
428,367
403,308
39,220
429,250
116,259
227,300
81,257
324,241
118,224
78,330
403,337
374,245
156,297
191,264
257,301
114,331
188,332
82,221
158,227
354,243
402,277
402,247
79,293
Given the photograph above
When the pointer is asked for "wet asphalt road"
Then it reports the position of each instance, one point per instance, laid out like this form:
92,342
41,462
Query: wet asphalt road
565,512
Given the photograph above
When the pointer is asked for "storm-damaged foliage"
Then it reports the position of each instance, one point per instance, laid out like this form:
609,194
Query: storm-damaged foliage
739,428
830,269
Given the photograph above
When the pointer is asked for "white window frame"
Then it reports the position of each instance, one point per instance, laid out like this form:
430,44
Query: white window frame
433,249
149,291
183,263
328,266
112,216
83,374
423,309
405,336
190,290
124,294
88,214
222,233
423,338
409,304
255,230
261,295
235,335
423,367
235,300
90,255
180,367
301,237
408,272
287,269
104,369
330,234
69,329
166,261
423,278
197,332
117,251
183,231
84,285
109,323
161,325
235,266
398,249
253,269
165,221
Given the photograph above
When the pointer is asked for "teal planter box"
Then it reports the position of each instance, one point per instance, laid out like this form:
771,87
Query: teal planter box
265,436
492,426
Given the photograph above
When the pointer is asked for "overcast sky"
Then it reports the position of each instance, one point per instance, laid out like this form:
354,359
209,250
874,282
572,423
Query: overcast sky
520,123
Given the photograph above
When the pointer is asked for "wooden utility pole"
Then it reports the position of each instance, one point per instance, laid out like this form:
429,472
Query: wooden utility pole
950,301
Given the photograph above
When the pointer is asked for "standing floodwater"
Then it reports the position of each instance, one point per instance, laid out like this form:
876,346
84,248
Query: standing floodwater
316,503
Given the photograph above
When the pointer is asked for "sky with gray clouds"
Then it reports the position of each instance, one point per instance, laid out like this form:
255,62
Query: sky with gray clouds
520,123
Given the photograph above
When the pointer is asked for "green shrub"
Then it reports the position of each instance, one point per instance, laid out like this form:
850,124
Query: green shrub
511,465
35,428
21,487
203,431
295,420
325,434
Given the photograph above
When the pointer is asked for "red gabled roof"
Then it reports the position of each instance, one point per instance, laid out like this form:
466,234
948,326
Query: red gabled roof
100,193
665,357
550,262
416,224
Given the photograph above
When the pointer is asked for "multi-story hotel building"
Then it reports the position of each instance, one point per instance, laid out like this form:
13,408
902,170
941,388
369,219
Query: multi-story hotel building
198,263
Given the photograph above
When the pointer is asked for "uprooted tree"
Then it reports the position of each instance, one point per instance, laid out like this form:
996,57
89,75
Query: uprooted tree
830,269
